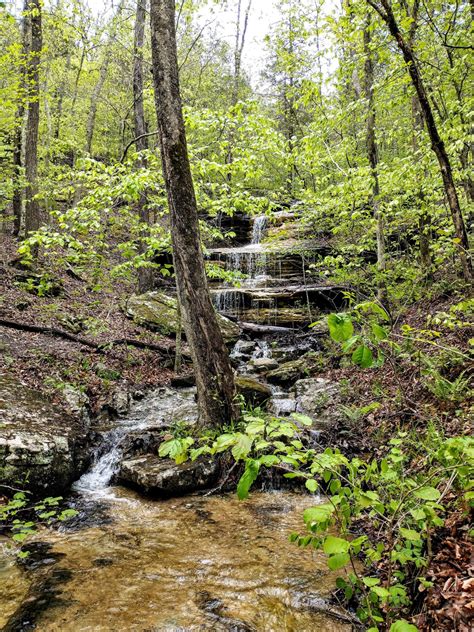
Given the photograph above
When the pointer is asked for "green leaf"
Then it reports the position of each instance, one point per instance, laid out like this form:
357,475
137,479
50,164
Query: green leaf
379,332
410,534
402,625
247,479
363,357
340,327
338,561
242,446
312,485
303,419
318,514
427,493
333,545
371,581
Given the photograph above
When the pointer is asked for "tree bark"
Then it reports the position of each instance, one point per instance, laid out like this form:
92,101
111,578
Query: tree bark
384,9
32,209
145,275
214,376
17,198
373,156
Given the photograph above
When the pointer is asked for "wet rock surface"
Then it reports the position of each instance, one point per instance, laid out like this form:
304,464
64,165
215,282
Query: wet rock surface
153,474
40,445
320,399
158,311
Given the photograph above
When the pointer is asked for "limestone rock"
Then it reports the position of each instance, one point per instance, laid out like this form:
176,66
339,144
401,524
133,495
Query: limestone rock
152,474
288,372
320,399
262,365
41,448
158,311
252,390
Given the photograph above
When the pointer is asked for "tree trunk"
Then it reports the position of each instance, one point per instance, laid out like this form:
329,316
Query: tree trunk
214,376
32,209
145,275
100,82
373,155
437,144
17,199
95,99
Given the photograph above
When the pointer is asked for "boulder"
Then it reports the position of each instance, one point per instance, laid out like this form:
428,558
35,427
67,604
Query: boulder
263,365
288,372
253,391
158,311
320,399
152,474
42,448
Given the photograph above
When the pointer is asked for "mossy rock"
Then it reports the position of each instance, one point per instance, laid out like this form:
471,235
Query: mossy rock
289,372
158,311
253,391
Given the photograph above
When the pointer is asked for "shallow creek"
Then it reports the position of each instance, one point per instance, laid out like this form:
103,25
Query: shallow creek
199,562
194,563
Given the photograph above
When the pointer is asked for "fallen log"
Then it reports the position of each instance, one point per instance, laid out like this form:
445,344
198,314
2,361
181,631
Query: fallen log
99,347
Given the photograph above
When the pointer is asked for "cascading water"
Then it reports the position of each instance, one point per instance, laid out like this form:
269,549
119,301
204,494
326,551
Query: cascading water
259,228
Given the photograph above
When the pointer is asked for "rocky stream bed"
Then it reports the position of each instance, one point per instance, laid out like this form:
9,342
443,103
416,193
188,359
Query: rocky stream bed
140,554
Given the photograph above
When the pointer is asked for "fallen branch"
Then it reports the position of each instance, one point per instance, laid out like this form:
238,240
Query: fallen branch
99,347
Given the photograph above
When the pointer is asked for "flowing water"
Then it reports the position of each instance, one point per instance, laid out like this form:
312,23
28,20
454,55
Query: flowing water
195,563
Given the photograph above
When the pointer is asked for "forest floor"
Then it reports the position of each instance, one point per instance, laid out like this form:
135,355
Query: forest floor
49,363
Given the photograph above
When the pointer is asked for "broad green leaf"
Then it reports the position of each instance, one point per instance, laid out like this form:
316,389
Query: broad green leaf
410,534
371,581
402,625
312,485
242,446
379,332
363,357
318,514
427,493
248,478
338,561
333,545
340,327
303,419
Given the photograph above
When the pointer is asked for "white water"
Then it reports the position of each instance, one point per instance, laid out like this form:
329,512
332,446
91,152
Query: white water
156,410
259,228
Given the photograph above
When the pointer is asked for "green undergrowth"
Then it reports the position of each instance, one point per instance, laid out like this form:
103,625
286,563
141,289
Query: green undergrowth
378,518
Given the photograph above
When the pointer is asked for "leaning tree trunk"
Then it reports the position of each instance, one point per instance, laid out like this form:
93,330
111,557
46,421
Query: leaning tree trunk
32,210
17,199
373,156
214,376
145,275
386,13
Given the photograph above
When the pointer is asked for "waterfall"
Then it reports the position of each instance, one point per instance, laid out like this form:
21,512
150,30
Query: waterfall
259,228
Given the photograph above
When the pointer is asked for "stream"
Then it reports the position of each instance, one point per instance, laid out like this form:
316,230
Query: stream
127,562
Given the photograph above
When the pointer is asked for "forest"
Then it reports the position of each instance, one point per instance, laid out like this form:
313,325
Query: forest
236,315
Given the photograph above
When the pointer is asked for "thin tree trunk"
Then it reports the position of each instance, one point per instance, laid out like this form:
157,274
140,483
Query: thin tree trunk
238,51
214,376
32,209
95,99
17,199
100,82
386,13
373,155
424,221
145,275
61,91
